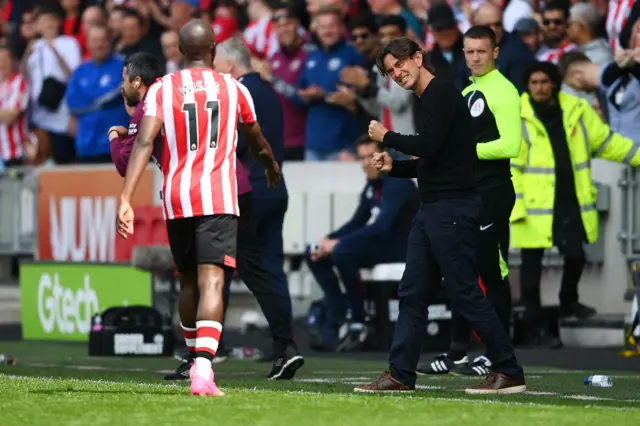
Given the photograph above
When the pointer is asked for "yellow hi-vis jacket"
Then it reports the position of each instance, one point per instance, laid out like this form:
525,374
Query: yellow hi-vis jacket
533,172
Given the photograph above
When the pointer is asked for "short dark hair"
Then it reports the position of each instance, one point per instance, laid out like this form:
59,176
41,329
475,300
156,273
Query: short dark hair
144,65
479,32
365,21
130,13
393,21
551,70
570,58
557,5
402,48
50,8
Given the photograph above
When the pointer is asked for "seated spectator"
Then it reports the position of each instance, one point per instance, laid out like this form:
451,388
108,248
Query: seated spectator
377,233
94,98
48,63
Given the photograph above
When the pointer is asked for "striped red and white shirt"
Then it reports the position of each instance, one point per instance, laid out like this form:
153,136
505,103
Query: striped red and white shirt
14,94
553,55
261,39
200,110
617,16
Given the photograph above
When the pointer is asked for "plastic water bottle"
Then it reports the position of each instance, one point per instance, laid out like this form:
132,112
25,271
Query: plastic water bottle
599,381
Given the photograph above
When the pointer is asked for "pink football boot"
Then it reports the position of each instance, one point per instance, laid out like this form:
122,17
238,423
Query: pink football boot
203,386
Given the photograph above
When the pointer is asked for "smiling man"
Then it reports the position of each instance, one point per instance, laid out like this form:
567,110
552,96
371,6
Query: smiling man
494,104
442,239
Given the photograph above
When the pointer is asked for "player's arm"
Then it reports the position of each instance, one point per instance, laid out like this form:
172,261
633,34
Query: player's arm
142,150
258,145
506,110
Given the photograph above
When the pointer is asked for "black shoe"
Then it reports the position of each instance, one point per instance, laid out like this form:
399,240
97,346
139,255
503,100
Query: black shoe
577,309
286,365
481,366
441,364
182,372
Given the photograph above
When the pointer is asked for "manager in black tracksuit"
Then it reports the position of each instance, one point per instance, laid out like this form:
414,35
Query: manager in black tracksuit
442,239
494,104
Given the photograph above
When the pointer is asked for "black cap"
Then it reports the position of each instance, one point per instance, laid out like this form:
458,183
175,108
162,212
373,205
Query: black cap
526,26
441,17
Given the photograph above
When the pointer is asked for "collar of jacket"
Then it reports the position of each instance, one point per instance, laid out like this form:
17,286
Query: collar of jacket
486,77
572,109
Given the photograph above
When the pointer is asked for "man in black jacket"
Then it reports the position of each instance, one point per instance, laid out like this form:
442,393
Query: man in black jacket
442,239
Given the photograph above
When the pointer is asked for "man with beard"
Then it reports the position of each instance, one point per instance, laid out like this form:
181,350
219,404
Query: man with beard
139,72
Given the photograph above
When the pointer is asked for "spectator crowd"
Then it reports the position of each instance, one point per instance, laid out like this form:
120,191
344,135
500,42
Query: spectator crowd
61,62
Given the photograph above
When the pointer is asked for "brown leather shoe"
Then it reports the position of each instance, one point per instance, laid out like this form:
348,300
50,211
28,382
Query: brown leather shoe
385,383
497,383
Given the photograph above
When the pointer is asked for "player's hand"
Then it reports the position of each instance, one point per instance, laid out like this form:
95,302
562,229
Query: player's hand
377,131
124,221
382,161
273,175
120,130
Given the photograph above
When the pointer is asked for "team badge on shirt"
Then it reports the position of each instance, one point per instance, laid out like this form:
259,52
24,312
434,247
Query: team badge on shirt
477,108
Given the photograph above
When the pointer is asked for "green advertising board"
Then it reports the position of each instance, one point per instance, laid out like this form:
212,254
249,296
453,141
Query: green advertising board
58,299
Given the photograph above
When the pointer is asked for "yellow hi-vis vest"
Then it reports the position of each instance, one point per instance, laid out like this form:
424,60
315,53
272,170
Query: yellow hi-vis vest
533,172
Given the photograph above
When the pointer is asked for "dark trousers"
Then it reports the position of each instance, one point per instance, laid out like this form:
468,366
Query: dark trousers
492,243
442,245
348,257
63,148
531,273
269,219
254,274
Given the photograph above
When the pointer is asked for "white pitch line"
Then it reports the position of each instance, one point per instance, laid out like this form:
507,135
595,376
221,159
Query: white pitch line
304,392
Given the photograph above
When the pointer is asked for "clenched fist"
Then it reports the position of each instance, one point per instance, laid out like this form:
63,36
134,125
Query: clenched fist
377,131
382,161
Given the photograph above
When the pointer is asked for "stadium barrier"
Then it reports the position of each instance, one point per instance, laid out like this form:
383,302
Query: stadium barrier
68,214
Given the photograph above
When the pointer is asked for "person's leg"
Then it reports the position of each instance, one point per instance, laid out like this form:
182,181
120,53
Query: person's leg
574,263
181,234
417,287
269,219
452,226
257,279
334,300
530,275
215,251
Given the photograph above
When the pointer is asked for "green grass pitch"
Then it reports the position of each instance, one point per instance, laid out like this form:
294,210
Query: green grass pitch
55,384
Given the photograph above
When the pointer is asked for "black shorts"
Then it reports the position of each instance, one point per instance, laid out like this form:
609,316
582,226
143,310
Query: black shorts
203,240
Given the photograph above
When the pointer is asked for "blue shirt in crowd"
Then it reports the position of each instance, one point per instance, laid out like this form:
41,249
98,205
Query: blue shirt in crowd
94,98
